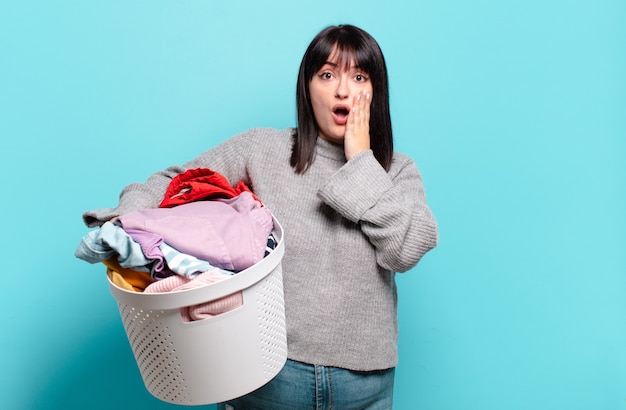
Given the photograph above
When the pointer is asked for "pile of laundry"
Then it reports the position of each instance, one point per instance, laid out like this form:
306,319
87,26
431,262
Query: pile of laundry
204,231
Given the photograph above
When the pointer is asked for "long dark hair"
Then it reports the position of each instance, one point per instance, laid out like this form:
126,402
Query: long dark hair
354,44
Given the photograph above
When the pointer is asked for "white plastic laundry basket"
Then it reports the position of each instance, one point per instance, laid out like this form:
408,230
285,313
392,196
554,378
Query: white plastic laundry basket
216,359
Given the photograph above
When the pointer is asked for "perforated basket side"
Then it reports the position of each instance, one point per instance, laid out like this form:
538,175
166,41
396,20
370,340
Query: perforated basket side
271,322
215,359
151,342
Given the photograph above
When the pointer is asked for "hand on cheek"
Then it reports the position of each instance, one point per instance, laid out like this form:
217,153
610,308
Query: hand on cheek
357,138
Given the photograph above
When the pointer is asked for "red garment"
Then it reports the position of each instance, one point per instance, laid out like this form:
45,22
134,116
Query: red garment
201,184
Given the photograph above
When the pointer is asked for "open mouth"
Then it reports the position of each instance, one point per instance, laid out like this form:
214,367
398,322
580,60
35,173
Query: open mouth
341,112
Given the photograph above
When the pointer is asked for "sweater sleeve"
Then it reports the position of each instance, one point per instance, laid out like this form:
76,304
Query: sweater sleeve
390,207
226,159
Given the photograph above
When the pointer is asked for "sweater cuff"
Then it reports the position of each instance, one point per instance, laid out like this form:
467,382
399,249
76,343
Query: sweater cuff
357,186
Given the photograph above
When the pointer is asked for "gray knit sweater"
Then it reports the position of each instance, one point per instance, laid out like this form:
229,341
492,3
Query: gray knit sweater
349,225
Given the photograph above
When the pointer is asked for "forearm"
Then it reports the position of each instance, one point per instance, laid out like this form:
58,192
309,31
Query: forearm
392,211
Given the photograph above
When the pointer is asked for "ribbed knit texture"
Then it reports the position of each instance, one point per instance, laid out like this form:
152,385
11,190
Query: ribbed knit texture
348,227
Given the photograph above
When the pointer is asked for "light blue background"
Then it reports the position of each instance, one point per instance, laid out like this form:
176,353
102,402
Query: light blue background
515,112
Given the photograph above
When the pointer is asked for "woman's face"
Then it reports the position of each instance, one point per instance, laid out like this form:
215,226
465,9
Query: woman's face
332,90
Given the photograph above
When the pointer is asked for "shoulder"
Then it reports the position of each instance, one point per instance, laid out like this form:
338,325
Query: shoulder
266,136
403,166
257,141
401,161
267,143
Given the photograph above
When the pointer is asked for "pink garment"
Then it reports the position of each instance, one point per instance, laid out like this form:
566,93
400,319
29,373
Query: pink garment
228,233
204,310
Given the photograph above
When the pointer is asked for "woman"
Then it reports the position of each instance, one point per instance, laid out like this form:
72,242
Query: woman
354,213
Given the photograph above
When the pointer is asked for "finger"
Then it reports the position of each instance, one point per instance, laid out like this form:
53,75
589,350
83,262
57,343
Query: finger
367,103
360,109
354,116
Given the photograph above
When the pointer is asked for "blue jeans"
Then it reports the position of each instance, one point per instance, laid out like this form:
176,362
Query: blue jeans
303,386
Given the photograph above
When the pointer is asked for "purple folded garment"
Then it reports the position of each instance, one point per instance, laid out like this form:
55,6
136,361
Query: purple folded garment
228,233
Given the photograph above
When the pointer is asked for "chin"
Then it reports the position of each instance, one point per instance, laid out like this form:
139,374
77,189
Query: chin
338,136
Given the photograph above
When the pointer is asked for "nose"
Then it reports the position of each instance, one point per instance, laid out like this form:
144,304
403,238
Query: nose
342,91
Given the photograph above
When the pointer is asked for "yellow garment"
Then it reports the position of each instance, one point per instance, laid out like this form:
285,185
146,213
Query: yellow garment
127,278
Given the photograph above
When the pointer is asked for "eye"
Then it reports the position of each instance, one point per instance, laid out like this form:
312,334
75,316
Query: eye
361,78
326,75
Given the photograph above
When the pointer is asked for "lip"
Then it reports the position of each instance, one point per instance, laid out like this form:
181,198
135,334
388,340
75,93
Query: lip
341,119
